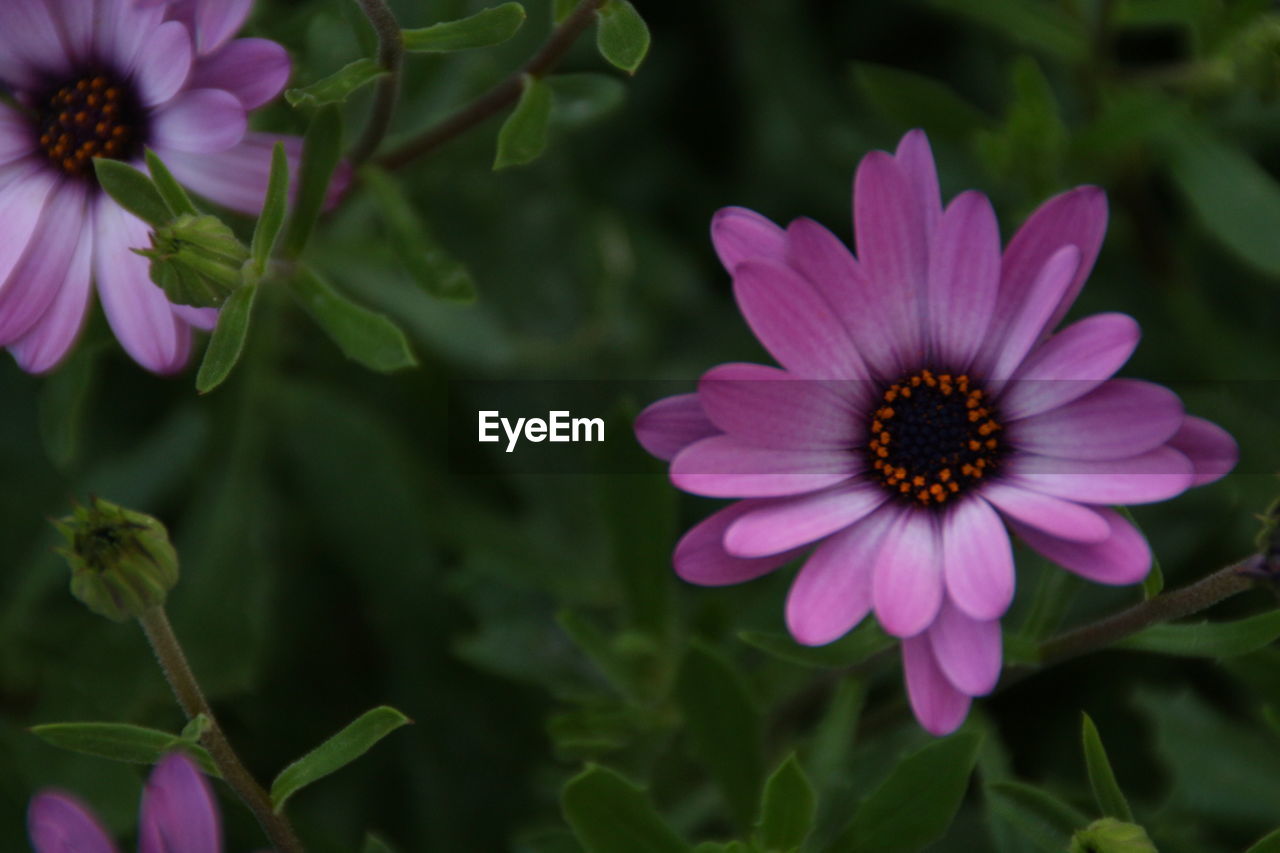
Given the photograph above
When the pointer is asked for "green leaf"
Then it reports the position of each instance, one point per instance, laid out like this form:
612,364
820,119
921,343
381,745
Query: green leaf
523,136
434,269
1106,791
337,87
913,100
132,190
787,809
914,806
271,219
170,190
611,815
1268,844
581,99
622,36
1042,26
227,343
321,151
483,29
121,742
363,335
724,727
1041,818
335,753
851,649
195,728
1208,639
1237,201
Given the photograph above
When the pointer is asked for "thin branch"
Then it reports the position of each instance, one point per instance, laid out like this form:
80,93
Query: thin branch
390,57
500,96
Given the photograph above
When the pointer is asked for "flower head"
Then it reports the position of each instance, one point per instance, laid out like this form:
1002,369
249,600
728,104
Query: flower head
178,815
112,78
924,409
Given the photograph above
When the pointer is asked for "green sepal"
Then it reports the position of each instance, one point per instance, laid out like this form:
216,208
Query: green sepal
271,220
227,342
132,190
167,185
1106,791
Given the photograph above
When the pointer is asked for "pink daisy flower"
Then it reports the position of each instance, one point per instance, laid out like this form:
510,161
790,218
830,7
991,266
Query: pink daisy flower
110,78
924,410
178,815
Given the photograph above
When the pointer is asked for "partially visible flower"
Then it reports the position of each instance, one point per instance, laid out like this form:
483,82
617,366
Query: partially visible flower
1109,835
924,405
110,78
178,815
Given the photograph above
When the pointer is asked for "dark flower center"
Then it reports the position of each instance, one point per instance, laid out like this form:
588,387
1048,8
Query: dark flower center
92,115
932,437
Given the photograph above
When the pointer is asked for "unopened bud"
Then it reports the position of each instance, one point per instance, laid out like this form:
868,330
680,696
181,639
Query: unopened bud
122,562
1109,835
197,260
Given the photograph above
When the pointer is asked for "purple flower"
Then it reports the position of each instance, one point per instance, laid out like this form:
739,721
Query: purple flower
178,816
924,409
110,78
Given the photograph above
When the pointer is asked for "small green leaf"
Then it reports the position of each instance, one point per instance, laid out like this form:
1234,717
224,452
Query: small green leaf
622,36
337,87
227,342
321,151
132,190
851,649
374,844
724,728
434,269
581,99
913,100
483,29
786,812
170,190
363,335
121,742
1106,791
1270,843
914,806
611,815
335,753
195,728
271,219
1208,639
523,136
1041,818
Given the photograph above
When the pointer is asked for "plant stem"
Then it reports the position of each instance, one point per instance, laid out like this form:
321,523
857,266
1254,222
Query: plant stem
390,57
185,687
500,96
1200,595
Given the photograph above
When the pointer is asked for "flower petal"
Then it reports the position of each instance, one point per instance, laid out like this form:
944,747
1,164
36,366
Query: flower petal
58,822
964,274
832,592
200,121
1211,449
136,308
740,234
203,319
1121,418
123,31
700,556
218,20
178,811
768,407
1054,516
915,158
1122,558
977,560
165,65
671,424
723,467
24,190
907,582
254,70
1007,346
793,522
968,651
794,322
32,286
31,46
1156,475
1070,364
937,704
15,135
893,248
49,341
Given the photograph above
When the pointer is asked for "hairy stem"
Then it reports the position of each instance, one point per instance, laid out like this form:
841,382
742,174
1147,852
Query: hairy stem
185,687
390,57
1200,595
500,96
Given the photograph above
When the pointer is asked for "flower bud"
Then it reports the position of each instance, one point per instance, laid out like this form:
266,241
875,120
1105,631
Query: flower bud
197,260
1109,835
122,562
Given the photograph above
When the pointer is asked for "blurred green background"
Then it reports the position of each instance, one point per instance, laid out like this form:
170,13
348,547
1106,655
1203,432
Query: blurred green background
339,552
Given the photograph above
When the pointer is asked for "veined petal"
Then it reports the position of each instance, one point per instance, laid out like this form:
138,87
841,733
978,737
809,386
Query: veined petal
1156,475
35,281
254,70
24,189
968,651
722,467
797,521
15,135
915,158
48,342
977,560
122,31
59,823
964,275
769,407
165,65
1122,558
1006,347
907,581
1211,449
1054,516
178,811
216,21
200,121
700,557
938,705
31,45
671,424
203,319
739,234
1120,419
